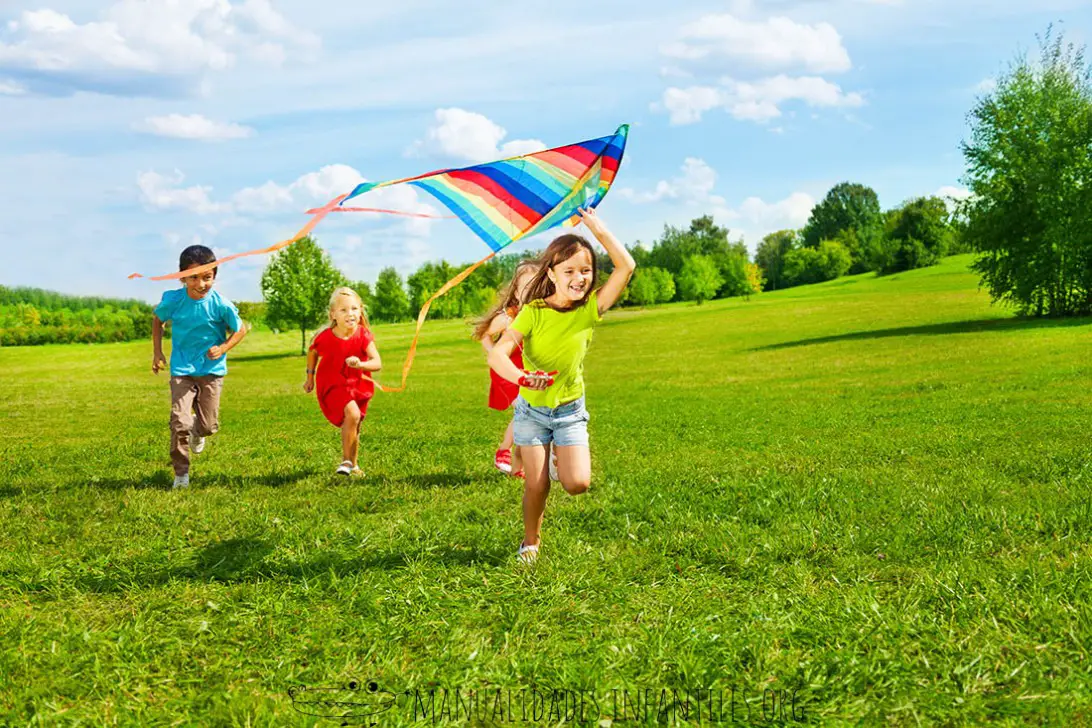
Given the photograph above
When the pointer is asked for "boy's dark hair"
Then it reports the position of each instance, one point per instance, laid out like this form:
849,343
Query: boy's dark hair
196,255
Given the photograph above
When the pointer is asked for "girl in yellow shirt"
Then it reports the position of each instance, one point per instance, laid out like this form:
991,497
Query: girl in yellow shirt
554,328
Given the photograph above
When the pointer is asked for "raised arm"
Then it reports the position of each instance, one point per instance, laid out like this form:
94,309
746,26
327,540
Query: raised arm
624,264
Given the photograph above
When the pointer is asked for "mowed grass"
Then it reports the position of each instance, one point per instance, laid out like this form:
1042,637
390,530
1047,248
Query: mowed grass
873,492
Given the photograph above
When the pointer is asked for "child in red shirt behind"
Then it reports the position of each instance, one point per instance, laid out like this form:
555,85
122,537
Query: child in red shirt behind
344,351
503,393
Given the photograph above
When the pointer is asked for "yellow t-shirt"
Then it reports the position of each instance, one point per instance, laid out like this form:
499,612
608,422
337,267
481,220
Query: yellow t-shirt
556,341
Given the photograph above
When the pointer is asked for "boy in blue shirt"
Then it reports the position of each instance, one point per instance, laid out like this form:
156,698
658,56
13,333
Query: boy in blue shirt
205,326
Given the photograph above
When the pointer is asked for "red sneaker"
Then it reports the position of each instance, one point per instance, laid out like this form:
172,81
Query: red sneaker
502,461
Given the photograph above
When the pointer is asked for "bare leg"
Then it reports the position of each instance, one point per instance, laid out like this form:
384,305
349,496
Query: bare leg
350,427
506,441
536,488
574,468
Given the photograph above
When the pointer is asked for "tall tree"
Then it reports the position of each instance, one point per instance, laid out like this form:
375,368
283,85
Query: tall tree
847,206
917,234
699,279
770,256
297,285
1029,171
389,301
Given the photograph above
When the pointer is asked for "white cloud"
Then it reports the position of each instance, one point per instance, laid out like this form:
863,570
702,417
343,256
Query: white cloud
686,105
674,72
471,136
952,196
193,126
759,101
10,88
986,85
774,43
753,218
163,192
760,218
308,190
955,193
694,185
140,38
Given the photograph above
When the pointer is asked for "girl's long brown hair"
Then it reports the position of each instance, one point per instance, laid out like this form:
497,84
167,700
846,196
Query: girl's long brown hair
507,299
563,248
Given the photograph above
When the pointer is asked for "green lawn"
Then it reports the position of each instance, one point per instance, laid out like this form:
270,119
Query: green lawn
874,492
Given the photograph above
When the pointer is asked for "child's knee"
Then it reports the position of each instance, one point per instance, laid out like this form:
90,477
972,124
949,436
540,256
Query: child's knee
181,424
576,486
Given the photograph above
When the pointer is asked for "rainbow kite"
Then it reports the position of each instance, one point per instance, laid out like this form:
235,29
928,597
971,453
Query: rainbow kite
502,201
513,198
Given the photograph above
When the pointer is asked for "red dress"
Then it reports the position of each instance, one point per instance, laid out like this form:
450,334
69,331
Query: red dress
503,393
336,383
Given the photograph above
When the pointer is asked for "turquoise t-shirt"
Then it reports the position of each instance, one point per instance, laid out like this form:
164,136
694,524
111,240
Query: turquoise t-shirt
197,326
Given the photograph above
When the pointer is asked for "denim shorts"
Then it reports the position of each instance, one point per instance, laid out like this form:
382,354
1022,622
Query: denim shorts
563,425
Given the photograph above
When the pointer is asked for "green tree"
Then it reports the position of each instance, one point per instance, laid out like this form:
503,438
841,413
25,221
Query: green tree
847,206
363,290
297,285
390,302
916,235
815,265
770,256
699,279
735,275
1029,170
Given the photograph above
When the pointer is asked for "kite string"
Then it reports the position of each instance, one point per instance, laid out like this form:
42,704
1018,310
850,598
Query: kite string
320,213
408,363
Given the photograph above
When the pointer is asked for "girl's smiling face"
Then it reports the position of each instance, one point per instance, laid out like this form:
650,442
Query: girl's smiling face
346,313
572,278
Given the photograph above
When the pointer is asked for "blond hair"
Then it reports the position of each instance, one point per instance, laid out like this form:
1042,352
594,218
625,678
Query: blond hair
506,299
346,291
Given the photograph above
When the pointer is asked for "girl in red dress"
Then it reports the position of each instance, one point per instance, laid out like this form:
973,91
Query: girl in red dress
502,392
344,351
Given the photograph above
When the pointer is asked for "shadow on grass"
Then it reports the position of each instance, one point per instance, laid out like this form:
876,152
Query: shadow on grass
163,480
246,560
952,327
267,357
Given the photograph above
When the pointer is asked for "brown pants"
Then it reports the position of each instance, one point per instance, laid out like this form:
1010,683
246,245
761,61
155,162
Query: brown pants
192,398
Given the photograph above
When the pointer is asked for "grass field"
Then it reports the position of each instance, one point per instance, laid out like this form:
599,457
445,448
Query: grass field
872,495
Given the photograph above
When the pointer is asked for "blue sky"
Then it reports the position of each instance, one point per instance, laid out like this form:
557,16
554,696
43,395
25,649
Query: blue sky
133,128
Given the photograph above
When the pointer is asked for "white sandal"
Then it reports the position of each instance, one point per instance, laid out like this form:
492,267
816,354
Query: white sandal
527,554
345,468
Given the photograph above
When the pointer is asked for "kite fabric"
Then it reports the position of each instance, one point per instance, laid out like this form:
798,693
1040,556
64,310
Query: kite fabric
502,202
513,198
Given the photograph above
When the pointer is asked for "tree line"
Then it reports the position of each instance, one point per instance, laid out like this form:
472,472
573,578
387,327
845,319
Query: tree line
35,316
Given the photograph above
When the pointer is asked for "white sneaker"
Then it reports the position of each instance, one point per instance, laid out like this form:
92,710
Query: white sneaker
527,554
346,468
553,465
181,481
198,445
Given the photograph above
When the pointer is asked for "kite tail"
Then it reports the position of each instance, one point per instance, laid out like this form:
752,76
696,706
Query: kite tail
408,364
320,213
